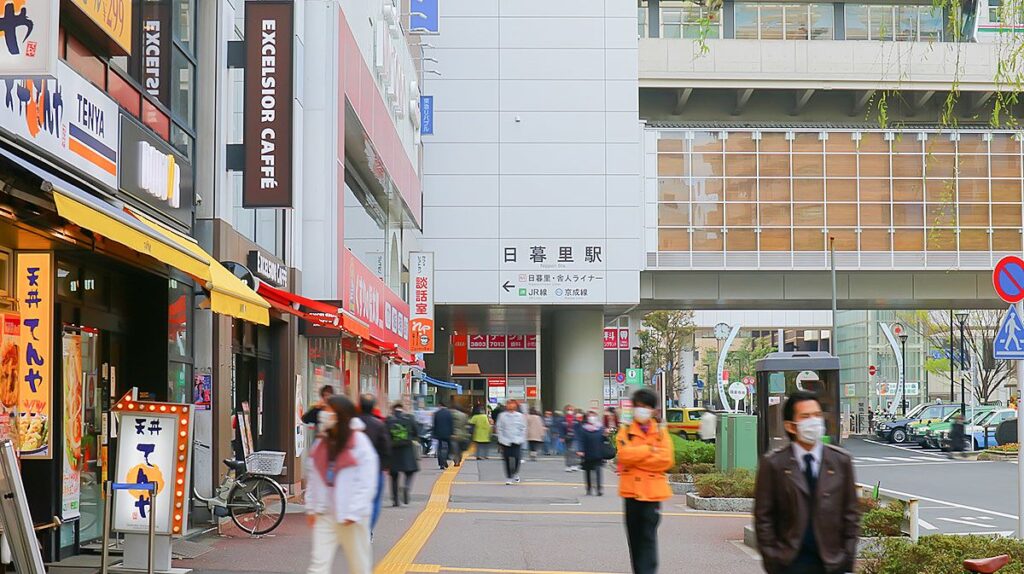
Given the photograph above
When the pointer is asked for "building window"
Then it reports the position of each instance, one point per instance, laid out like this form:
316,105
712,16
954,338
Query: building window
755,21
641,20
687,20
899,23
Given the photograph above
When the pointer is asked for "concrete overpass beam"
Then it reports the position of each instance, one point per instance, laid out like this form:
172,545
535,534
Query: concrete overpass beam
576,353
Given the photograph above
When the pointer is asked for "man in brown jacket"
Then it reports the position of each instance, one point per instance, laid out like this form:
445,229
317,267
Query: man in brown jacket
805,504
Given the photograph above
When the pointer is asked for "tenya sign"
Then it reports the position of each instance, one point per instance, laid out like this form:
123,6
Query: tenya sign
267,180
29,47
154,446
153,171
68,118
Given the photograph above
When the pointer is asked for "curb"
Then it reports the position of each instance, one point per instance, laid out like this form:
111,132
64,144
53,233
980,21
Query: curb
719,504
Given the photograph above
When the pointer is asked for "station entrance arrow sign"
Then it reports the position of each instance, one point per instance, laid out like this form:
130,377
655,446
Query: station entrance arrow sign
508,287
1009,341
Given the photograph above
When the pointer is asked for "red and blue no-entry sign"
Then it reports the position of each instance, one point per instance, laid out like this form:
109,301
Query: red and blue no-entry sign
1008,279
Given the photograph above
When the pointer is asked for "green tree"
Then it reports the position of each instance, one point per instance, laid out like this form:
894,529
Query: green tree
740,362
982,325
663,336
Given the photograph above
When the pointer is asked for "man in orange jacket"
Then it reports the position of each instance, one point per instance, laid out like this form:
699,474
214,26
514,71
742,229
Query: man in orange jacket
645,455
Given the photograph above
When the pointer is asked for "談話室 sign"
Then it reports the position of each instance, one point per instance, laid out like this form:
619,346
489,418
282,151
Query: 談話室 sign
154,446
267,179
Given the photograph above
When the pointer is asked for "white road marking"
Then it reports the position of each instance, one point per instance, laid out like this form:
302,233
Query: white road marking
967,522
867,458
908,449
927,458
922,463
950,504
926,525
901,458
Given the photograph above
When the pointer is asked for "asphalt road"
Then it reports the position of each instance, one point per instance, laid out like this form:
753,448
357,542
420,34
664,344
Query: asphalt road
957,496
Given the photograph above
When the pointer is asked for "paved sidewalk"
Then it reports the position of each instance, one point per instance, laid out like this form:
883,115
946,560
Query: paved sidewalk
470,521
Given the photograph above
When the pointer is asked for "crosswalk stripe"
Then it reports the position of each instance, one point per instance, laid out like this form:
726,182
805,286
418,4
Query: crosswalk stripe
868,459
967,522
927,525
927,458
900,458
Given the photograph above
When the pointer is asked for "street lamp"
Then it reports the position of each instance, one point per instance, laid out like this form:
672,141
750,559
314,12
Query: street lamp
961,316
903,379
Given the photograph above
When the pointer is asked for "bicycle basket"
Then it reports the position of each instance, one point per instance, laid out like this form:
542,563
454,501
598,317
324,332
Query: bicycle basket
265,462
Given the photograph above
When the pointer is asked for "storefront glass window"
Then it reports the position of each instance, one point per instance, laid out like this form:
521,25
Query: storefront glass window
324,366
179,377
183,92
369,373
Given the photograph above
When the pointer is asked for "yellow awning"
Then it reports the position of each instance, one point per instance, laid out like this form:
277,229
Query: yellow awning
104,220
229,295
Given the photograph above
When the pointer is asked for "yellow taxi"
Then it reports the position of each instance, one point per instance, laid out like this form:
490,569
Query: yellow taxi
684,422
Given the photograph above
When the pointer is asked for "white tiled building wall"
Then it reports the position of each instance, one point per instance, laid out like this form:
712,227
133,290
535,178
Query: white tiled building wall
536,137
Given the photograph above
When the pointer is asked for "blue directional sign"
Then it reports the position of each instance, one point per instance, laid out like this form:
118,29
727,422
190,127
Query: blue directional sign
426,115
700,385
424,17
1009,343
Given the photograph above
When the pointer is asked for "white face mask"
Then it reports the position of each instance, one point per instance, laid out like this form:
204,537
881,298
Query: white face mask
811,430
326,419
592,419
642,414
568,413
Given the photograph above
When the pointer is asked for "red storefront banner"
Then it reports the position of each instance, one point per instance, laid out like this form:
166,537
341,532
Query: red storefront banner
495,341
611,339
624,338
531,341
460,350
478,341
370,300
516,342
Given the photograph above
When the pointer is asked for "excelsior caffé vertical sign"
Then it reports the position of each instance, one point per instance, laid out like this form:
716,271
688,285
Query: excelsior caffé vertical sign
268,103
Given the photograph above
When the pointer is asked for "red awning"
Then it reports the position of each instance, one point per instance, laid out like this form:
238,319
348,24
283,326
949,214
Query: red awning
316,312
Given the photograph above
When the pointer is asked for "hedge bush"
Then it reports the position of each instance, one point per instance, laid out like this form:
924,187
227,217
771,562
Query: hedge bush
1009,447
883,520
738,483
691,452
939,554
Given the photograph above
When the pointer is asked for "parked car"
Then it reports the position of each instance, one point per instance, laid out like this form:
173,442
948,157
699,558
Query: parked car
984,429
898,431
684,422
919,430
934,432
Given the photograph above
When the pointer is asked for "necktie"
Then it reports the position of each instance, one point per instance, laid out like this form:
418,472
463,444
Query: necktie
812,480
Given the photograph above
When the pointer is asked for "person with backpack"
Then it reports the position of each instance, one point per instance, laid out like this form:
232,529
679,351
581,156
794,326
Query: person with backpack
481,432
377,432
591,448
402,429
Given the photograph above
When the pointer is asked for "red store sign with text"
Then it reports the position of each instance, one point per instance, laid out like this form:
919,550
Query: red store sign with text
369,299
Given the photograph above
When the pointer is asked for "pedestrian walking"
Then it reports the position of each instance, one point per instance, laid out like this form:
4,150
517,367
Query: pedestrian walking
567,431
644,455
534,432
377,432
549,433
806,514
402,429
341,474
444,427
511,430
460,434
310,417
708,426
590,449
481,432
610,421
557,422
957,437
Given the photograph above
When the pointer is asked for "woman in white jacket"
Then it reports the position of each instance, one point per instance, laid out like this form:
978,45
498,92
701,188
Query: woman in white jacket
511,430
341,473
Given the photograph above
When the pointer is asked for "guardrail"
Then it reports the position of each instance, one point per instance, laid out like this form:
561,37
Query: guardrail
911,509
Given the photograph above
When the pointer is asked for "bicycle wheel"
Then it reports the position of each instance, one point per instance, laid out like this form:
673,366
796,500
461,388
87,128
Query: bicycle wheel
257,504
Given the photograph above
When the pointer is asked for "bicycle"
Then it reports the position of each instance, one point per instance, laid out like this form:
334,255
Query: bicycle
255,502
987,565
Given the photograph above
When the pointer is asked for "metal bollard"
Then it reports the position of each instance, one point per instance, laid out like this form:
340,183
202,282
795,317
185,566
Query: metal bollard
107,491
